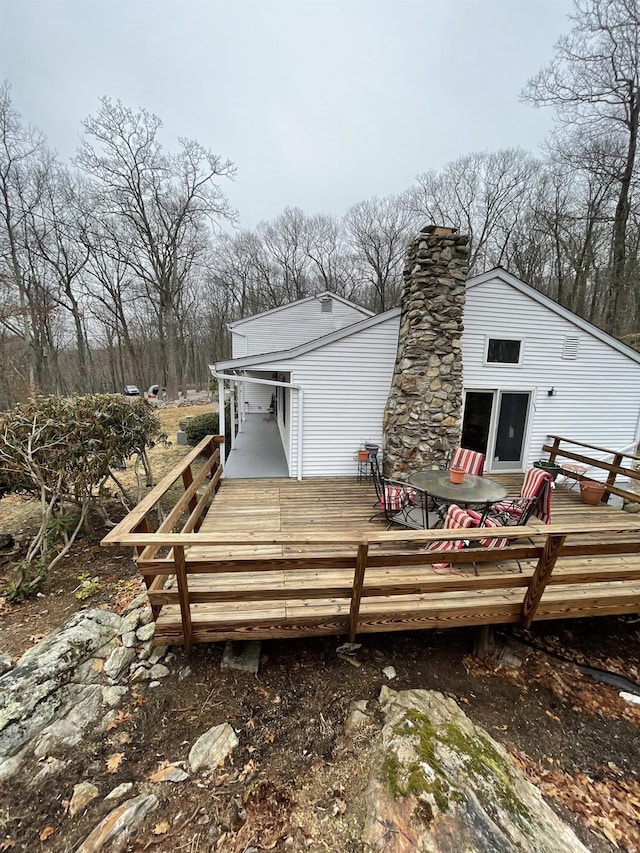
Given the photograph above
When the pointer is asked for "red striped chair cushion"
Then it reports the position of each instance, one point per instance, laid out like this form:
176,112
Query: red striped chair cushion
397,497
469,460
456,519
488,522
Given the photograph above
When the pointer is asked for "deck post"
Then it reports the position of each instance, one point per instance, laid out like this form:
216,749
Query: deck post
356,594
611,479
540,578
187,480
482,642
554,450
221,423
183,595
143,527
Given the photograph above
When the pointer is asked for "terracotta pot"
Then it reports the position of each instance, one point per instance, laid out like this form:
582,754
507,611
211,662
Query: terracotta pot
456,475
363,455
591,493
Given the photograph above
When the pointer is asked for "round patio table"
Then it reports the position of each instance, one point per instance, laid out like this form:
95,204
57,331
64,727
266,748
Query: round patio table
472,490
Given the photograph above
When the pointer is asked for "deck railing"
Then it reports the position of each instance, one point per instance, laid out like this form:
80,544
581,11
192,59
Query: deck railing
147,518
568,449
359,584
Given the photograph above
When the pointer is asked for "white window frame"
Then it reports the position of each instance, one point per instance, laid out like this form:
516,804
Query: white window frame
503,364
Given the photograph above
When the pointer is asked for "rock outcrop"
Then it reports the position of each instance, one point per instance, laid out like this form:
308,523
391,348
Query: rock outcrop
439,784
72,680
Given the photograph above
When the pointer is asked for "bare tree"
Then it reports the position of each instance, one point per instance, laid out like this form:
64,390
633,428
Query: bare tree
160,201
593,82
379,230
483,194
24,167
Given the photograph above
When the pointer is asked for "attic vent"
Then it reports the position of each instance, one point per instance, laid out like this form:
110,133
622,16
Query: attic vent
326,305
570,348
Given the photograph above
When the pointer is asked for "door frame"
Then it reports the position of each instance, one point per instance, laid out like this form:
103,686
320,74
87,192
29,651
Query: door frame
510,468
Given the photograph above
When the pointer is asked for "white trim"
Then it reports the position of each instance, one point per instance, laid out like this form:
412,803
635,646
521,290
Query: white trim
232,326
285,355
221,377
506,277
490,336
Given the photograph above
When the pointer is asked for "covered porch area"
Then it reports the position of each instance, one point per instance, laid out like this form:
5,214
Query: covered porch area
258,450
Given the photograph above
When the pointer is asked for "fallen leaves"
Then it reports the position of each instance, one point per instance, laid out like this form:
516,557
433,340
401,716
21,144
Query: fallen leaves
114,761
161,828
47,832
7,844
120,718
610,806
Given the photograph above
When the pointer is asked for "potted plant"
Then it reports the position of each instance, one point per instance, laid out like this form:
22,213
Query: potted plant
550,467
456,475
591,492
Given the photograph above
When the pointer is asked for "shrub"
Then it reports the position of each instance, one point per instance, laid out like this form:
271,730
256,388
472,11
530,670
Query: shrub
199,426
61,450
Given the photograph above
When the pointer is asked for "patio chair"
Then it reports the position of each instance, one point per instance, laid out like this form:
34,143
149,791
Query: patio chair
400,503
535,499
470,461
481,520
455,519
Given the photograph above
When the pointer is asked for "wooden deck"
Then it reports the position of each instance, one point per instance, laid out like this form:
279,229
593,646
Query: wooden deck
281,558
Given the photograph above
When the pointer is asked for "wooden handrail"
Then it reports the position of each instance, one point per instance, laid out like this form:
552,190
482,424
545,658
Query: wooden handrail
594,447
131,521
630,525
613,468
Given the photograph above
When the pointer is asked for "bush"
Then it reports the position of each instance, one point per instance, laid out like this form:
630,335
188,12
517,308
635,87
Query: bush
199,426
61,450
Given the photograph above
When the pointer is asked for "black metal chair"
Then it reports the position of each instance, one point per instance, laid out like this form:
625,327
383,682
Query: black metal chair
535,499
401,503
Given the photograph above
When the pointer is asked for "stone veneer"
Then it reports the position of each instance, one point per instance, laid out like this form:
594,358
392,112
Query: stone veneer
422,415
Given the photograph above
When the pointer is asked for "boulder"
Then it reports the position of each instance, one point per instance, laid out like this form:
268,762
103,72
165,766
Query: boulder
41,688
212,747
119,822
83,794
440,784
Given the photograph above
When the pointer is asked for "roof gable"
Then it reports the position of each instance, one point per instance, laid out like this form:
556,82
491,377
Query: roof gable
325,293
500,274
283,355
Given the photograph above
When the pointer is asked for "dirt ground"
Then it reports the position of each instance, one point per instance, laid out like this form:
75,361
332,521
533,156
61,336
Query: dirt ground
294,782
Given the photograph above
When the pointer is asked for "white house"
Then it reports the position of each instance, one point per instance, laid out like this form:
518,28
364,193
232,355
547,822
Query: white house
530,368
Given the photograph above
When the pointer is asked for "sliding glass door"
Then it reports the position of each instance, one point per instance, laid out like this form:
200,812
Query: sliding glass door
495,423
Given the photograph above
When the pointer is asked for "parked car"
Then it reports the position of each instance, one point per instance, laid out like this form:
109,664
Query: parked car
131,391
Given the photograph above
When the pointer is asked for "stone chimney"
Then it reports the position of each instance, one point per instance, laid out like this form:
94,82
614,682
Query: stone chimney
422,415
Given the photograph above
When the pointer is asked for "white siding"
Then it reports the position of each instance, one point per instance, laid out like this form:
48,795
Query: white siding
238,345
346,384
284,419
597,395
258,396
291,326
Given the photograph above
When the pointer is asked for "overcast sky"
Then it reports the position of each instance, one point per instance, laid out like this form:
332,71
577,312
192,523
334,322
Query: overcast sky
319,104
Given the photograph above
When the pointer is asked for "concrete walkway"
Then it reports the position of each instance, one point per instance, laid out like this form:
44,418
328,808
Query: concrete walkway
258,452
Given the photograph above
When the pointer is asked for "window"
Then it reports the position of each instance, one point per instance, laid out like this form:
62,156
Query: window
503,351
